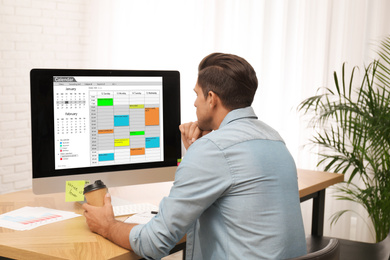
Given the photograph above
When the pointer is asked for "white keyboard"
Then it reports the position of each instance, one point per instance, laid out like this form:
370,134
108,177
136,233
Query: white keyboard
129,209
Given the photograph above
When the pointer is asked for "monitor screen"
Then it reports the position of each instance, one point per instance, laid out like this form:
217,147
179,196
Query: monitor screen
120,126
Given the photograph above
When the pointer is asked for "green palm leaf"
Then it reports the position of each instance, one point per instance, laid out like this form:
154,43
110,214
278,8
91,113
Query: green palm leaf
355,136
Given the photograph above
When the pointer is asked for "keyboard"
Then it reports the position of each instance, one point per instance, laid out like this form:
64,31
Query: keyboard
129,209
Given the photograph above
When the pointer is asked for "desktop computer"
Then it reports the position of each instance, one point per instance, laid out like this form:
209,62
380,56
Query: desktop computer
118,126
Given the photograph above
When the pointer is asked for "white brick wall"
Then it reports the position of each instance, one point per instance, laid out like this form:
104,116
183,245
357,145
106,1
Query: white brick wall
33,34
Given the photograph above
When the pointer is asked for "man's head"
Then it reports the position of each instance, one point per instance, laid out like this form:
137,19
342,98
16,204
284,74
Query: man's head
230,77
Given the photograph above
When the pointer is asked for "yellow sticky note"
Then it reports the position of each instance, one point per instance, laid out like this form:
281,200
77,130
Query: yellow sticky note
74,190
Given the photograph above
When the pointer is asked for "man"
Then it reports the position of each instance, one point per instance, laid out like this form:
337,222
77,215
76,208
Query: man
235,192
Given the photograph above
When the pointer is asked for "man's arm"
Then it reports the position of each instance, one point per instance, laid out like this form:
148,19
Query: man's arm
101,220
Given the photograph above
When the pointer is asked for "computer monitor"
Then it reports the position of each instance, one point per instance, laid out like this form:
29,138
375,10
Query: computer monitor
119,126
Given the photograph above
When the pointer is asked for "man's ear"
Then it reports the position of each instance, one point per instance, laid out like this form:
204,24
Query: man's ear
213,99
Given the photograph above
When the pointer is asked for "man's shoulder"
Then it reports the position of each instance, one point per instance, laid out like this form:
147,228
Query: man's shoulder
240,131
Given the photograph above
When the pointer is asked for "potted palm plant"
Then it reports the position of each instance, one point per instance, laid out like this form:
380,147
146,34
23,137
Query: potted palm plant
352,130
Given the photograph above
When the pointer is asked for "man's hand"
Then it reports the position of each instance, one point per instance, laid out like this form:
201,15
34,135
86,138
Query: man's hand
101,220
190,132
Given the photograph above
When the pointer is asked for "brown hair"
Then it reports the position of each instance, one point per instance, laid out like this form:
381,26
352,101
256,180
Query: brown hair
229,76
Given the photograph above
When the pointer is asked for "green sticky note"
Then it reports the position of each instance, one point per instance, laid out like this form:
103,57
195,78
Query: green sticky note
74,190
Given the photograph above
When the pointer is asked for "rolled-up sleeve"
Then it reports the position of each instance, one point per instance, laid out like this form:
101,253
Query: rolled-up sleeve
195,188
135,238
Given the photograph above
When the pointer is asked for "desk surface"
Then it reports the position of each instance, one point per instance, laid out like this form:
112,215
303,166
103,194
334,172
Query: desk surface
310,182
71,239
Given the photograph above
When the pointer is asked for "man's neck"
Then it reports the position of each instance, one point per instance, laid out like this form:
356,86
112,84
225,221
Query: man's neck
220,116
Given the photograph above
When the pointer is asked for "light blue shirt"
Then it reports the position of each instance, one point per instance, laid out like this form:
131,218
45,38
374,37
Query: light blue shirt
235,195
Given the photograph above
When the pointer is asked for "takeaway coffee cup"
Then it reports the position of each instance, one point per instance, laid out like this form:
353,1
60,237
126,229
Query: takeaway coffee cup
95,192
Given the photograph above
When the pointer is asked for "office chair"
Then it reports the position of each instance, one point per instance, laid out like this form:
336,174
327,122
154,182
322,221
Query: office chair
353,250
330,252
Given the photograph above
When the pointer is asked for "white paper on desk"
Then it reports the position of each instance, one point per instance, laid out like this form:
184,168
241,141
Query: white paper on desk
27,218
140,218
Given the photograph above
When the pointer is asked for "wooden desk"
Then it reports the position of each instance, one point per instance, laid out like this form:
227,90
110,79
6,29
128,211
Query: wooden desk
71,239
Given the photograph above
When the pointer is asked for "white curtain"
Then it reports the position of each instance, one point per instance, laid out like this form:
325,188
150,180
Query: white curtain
294,46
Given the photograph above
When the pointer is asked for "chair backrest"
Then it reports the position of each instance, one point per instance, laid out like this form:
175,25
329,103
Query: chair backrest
330,252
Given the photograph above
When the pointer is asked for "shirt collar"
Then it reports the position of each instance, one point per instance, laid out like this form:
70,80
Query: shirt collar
246,112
